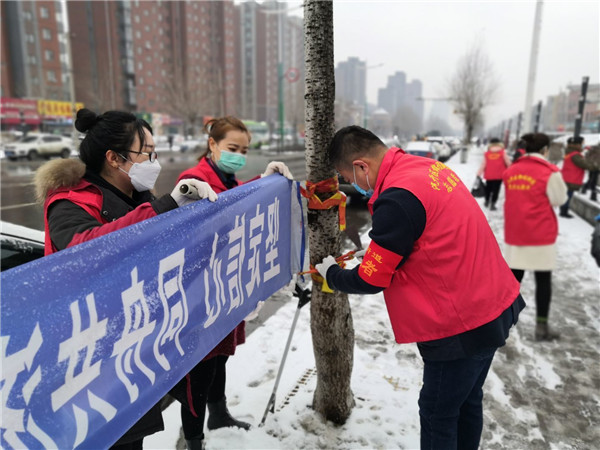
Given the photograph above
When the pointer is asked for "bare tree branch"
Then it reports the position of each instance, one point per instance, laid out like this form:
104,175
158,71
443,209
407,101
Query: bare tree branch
473,88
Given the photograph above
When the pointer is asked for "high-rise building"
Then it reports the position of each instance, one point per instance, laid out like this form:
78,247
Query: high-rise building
33,54
400,96
414,98
175,58
351,81
159,59
247,45
267,60
102,51
393,96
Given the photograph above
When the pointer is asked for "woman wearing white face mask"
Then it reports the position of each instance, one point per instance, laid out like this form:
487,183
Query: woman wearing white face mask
107,189
204,386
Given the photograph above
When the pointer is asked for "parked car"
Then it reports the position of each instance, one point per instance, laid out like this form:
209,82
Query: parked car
444,151
35,145
19,245
421,148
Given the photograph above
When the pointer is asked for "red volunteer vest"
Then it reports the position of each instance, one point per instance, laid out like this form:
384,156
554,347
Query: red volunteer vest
528,215
456,279
570,172
204,171
84,194
494,165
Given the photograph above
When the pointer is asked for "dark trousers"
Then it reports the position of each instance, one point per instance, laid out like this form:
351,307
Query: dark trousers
204,383
564,209
492,190
591,184
543,290
135,445
450,403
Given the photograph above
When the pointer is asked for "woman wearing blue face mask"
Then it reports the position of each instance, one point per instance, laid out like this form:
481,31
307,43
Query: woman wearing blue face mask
204,386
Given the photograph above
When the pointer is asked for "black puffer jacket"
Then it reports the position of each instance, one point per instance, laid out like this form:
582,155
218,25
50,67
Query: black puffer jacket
69,224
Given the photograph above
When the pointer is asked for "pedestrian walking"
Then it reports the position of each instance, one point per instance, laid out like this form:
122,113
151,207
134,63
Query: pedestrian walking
495,161
204,385
519,150
445,282
593,157
533,187
573,170
106,189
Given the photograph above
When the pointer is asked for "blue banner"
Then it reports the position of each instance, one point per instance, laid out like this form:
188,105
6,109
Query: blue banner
94,335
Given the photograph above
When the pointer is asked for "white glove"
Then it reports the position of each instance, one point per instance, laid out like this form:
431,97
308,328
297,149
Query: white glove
254,314
324,265
277,167
189,190
359,254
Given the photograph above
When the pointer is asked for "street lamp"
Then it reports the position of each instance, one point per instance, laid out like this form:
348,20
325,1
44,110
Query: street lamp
366,103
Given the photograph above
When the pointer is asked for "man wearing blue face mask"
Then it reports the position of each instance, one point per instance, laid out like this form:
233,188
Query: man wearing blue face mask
431,254
228,144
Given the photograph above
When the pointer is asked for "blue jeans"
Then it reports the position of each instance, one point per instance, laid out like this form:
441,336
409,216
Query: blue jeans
450,403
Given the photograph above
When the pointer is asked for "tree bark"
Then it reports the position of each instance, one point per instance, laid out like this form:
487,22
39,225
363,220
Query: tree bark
331,318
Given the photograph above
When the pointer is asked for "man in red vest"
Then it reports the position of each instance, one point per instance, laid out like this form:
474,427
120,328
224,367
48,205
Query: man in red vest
573,170
445,282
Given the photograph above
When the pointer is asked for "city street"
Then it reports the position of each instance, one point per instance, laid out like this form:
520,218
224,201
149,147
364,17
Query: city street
18,192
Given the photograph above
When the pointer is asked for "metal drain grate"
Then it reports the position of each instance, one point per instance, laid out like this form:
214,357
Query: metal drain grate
308,374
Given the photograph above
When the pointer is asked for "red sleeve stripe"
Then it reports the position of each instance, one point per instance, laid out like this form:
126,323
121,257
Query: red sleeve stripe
378,265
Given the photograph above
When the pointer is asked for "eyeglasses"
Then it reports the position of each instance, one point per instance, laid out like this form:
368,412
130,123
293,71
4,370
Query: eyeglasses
152,156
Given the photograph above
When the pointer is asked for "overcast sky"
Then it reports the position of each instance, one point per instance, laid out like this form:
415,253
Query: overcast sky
425,39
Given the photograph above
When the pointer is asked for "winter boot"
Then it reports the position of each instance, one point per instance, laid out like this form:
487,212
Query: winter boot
566,214
493,207
195,444
544,333
487,202
219,417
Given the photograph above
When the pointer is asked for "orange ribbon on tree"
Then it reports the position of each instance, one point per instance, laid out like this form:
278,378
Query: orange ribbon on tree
322,187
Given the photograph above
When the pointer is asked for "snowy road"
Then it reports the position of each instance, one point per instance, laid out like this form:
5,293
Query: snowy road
538,395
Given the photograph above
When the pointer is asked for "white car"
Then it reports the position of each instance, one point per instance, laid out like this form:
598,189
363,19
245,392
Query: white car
421,148
36,145
19,244
443,150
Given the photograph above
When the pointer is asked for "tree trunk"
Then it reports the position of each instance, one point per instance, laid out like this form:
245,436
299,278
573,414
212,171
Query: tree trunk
331,319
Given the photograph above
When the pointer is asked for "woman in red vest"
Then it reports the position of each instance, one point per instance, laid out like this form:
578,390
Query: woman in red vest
533,187
573,170
204,385
494,164
107,189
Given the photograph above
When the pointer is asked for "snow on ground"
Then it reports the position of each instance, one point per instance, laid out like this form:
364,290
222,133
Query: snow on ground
537,395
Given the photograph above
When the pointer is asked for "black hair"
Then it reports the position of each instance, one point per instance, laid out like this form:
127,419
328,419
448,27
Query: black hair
575,140
494,141
350,143
113,130
535,142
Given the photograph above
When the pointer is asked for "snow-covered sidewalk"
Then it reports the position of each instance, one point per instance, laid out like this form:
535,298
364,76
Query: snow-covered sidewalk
537,396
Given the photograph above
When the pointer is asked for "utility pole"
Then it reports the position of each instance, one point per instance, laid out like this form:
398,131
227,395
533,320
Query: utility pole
507,133
535,44
581,106
518,132
538,115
